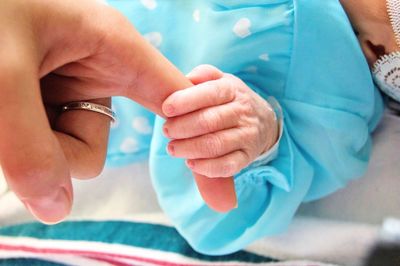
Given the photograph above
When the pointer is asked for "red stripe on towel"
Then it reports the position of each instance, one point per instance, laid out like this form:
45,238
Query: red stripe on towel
89,254
111,261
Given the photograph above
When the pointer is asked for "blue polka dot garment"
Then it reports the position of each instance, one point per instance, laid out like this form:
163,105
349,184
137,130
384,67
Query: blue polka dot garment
131,133
302,52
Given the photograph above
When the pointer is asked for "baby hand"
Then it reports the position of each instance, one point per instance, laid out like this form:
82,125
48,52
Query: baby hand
219,125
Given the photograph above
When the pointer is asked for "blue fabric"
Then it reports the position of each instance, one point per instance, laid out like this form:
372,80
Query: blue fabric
131,133
302,52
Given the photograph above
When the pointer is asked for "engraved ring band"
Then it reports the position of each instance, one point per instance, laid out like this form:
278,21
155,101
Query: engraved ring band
92,107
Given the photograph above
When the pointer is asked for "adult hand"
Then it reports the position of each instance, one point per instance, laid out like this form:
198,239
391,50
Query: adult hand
234,125
59,51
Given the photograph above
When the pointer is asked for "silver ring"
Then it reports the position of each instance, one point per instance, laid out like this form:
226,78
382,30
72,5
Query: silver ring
92,107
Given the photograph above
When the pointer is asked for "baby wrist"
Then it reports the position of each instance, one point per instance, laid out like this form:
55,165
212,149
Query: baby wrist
271,152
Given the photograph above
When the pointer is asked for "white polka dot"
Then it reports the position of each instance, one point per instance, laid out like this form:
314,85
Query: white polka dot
264,57
251,69
242,28
149,4
196,15
142,125
155,38
129,145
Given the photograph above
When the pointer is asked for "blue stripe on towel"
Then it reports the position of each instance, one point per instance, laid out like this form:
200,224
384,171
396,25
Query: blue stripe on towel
26,262
143,235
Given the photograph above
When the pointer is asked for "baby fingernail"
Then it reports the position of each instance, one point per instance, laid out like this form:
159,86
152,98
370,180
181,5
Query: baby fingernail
50,210
166,132
171,149
190,164
169,109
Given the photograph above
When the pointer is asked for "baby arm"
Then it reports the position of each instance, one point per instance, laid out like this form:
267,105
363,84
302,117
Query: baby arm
203,130
221,126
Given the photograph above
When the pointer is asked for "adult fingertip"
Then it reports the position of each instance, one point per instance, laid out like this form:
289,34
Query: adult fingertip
218,193
51,210
222,207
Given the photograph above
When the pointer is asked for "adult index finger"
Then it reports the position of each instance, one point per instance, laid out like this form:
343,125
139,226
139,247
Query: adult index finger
157,78
218,193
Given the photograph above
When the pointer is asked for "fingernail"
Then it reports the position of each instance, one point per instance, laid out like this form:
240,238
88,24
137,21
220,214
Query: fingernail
166,132
171,149
51,210
169,109
190,164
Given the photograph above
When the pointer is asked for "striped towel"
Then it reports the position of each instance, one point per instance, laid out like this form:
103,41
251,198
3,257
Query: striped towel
112,243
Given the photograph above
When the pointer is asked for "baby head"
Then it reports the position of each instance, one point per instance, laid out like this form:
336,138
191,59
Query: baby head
377,24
